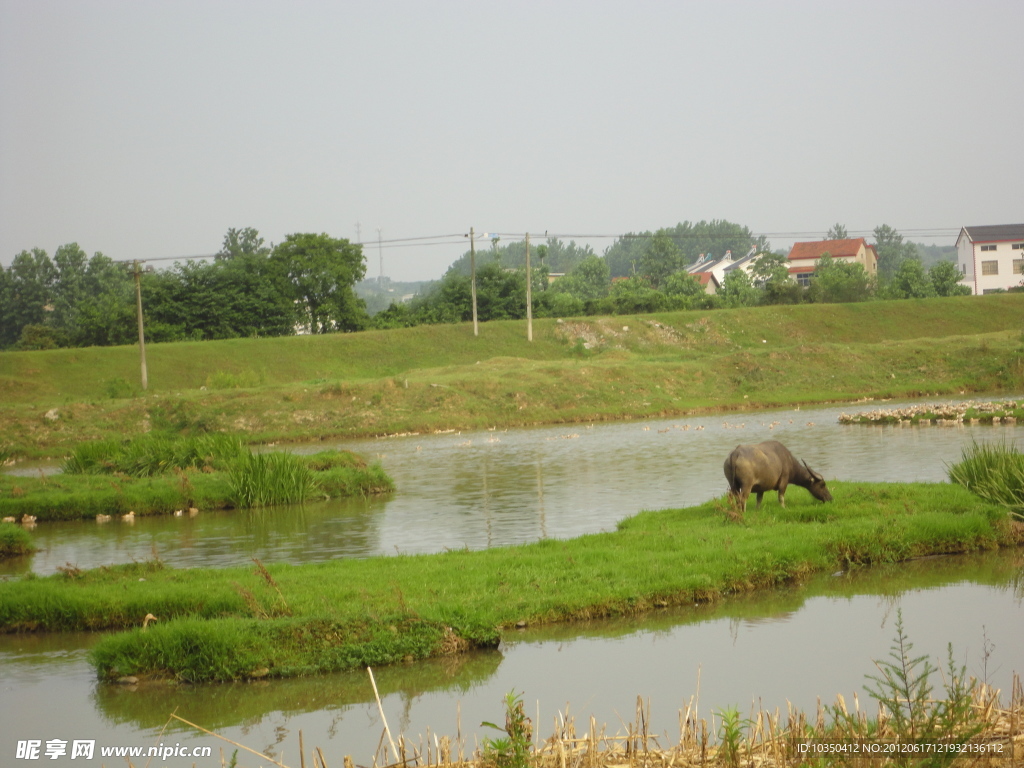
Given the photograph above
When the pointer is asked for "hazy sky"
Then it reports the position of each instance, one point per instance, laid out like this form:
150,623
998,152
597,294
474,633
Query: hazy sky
147,129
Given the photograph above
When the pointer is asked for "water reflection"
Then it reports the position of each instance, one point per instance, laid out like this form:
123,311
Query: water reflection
488,489
793,644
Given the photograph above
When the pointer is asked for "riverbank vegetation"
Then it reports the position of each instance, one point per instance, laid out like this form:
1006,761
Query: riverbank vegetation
995,472
161,474
306,285
965,724
442,377
293,620
14,540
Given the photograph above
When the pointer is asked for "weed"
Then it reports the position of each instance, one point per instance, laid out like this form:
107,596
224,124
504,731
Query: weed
69,571
512,751
904,690
730,734
242,380
118,389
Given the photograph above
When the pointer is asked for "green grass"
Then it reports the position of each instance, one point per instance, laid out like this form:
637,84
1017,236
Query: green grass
266,479
155,454
441,377
14,540
77,496
380,608
995,472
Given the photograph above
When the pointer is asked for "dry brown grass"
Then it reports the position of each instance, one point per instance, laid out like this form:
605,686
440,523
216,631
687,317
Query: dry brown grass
769,740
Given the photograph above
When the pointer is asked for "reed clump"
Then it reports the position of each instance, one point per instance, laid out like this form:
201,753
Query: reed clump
995,472
161,474
266,479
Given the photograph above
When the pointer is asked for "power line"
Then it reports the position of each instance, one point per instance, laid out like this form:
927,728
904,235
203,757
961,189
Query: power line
461,239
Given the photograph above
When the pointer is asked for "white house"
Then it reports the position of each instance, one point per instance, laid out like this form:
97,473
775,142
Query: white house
719,268
991,258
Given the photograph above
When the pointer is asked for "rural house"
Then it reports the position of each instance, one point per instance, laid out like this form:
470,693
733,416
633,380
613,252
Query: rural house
991,258
856,250
719,268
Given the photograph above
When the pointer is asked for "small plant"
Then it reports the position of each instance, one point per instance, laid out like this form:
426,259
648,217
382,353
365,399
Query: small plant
730,734
118,389
512,751
904,689
242,380
69,571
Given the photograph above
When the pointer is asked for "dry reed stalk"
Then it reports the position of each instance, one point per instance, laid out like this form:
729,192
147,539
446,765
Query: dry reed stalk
380,708
229,741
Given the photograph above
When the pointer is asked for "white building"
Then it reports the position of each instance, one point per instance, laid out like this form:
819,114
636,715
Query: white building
991,258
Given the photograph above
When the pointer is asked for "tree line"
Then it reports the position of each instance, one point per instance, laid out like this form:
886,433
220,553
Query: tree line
303,284
306,285
647,272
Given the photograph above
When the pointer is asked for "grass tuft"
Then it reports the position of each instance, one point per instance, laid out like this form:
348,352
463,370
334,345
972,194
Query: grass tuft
14,540
267,479
995,472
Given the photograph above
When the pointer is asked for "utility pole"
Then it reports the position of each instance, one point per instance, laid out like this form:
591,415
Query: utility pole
529,299
142,336
380,255
472,282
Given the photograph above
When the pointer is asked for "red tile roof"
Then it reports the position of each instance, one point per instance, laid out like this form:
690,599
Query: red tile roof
836,248
704,278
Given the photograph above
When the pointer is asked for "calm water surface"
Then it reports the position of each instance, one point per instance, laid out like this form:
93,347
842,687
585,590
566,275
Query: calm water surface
488,489
786,645
494,488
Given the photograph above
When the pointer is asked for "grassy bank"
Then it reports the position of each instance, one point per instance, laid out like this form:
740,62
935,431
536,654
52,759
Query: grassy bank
292,620
14,540
246,483
441,377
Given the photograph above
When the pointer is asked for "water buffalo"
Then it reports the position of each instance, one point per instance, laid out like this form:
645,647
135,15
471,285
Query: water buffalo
769,466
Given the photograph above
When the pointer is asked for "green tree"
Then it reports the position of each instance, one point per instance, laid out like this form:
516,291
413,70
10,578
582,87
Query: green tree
6,335
589,279
891,250
837,232
836,281
771,272
69,291
686,291
713,237
631,296
909,282
106,313
322,271
738,290
30,285
661,259
242,242
624,255
945,277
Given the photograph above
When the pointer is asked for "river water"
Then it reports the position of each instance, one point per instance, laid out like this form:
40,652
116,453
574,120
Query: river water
486,489
493,488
